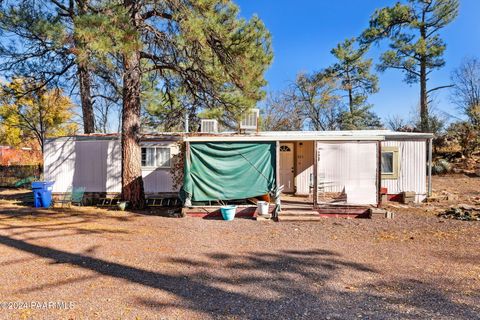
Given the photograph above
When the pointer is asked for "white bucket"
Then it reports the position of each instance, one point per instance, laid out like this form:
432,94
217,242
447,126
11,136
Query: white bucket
263,207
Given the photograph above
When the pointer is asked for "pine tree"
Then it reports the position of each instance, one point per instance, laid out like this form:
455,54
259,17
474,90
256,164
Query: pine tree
203,47
44,47
415,44
352,71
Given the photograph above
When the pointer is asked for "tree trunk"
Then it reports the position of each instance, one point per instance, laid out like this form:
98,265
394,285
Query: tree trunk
424,125
132,183
350,101
86,98
85,83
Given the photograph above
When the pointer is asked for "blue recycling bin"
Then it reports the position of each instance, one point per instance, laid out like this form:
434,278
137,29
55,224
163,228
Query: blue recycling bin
42,193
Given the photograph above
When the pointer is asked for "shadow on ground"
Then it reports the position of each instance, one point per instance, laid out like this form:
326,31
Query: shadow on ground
43,223
21,196
274,283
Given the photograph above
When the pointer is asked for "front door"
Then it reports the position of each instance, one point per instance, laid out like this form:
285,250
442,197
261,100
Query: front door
286,167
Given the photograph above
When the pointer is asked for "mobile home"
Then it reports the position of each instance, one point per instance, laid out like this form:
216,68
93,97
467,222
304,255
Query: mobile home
328,167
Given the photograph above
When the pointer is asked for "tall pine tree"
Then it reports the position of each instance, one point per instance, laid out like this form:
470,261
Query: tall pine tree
44,47
415,44
352,70
203,47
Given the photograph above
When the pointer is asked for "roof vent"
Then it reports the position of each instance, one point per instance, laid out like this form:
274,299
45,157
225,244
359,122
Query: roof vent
209,126
250,120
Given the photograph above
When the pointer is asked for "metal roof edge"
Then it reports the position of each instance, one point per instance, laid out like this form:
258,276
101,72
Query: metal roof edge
84,138
355,135
409,136
117,136
280,138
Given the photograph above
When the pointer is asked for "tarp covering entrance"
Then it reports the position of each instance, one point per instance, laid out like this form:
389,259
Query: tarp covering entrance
228,171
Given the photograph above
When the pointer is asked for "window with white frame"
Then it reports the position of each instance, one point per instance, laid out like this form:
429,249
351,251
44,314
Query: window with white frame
157,157
389,163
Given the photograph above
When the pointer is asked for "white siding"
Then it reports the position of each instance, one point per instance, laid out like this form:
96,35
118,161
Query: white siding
349,167
159,179
304,167
412,171
96,165
93,164
59,163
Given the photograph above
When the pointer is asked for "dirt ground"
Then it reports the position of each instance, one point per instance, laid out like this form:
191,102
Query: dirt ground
99,264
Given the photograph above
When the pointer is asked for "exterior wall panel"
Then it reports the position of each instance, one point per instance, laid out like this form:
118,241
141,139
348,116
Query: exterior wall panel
59,162
304,167
349,168
159,180
412,171
96,165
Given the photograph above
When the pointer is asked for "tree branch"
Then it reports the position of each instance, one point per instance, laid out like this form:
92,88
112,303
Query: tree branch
155,13
440,87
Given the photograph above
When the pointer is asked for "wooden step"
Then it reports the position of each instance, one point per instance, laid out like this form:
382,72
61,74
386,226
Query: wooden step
342,210
298,213
299,217
321,213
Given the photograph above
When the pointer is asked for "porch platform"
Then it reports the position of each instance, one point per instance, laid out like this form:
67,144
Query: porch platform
213,212
291,211
299,208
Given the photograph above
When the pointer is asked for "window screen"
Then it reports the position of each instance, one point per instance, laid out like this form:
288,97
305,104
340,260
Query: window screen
156,157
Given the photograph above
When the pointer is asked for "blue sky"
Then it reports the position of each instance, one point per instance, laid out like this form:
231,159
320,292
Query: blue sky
304,31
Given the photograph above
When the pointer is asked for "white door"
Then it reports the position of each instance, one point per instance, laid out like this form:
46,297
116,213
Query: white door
286,167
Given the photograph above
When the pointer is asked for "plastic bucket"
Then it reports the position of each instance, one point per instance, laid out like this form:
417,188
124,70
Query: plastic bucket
228,212
262,207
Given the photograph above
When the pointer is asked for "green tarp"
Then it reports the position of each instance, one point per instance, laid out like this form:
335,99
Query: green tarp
228,171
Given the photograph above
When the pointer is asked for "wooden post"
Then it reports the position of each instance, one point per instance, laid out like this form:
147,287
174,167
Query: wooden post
188,200
277,164
315,174
379,174
187,151
429,192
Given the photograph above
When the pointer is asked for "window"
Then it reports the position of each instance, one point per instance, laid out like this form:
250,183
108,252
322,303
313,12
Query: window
389,163
285,148
158,157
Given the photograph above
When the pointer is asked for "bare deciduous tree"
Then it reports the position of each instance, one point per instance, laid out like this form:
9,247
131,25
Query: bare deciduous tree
466,90
281,114
315,98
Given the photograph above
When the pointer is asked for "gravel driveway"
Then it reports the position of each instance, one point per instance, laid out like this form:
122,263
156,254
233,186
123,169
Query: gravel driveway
98,264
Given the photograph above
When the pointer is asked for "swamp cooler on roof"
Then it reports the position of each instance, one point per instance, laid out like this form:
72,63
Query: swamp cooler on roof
228,171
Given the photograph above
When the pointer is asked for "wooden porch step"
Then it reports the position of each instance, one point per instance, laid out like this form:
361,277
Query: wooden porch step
299,217
342,210
321,213
298,213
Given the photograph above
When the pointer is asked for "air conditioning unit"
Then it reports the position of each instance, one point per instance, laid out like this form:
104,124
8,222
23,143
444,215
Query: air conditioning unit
208,126
250,120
